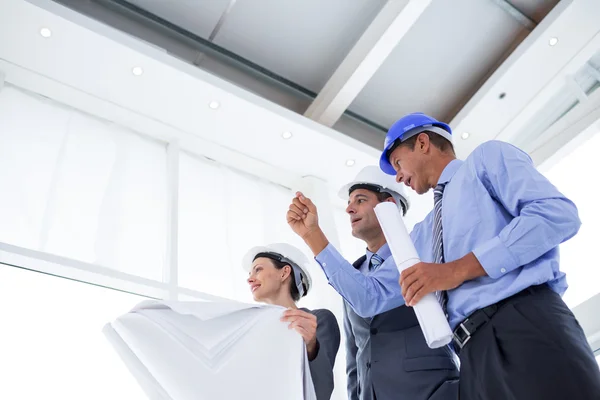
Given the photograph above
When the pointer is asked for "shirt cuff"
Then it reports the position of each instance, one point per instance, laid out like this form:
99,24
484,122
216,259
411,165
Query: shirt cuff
495,258
330,261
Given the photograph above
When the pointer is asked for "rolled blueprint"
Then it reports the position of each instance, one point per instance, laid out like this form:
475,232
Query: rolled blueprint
429,312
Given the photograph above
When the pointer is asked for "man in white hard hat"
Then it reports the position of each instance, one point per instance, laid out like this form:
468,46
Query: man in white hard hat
386,354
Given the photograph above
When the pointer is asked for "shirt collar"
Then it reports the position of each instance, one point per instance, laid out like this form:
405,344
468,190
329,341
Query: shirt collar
384,252
449,171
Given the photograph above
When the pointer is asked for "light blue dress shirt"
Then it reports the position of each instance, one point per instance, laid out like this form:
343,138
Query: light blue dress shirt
364,290
496,205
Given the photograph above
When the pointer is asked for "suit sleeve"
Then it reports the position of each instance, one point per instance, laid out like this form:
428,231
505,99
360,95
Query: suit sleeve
351,350
328,342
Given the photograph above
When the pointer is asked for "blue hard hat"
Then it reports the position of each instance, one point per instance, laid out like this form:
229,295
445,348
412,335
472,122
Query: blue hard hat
407,127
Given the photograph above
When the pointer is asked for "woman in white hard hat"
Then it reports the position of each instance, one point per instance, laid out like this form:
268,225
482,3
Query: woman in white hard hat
278,275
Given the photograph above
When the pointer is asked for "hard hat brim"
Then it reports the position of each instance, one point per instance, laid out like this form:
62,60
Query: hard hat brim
300,263
344,192
250,254
385,165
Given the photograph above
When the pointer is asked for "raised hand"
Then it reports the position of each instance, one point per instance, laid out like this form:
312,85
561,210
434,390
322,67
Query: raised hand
302,216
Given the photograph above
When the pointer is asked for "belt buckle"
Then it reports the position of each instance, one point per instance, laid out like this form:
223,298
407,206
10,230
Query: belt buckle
461,343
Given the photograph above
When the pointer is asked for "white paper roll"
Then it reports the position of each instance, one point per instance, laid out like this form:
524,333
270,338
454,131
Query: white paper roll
429,312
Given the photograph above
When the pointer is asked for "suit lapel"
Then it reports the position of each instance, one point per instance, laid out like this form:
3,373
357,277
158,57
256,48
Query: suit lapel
359,262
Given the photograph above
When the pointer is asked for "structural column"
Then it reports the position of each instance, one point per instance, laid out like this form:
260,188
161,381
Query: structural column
323,295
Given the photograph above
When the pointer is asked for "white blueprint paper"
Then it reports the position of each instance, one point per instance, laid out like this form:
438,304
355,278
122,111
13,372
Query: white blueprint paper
429,312
212,350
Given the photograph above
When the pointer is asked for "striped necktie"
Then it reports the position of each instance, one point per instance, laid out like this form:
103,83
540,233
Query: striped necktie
375,262
438,247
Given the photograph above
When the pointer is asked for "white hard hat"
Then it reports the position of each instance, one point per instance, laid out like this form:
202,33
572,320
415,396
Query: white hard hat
288,254
374,176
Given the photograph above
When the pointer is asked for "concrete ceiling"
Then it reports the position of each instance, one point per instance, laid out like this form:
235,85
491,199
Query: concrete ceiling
493,57
290,52
170,100
441,62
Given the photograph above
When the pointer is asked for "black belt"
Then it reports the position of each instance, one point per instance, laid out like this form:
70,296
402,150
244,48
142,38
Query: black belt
465,330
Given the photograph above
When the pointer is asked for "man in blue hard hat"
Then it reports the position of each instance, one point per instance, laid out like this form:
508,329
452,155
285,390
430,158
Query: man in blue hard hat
387,357
489,250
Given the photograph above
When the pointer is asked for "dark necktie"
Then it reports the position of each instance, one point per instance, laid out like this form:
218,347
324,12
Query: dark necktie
438,246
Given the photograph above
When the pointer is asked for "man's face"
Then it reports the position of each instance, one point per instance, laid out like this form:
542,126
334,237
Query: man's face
410,165
363,220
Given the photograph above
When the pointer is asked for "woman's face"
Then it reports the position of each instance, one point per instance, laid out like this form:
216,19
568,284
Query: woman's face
265,280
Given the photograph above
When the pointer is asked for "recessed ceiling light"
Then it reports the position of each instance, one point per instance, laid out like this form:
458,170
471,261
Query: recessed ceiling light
45,32
286,135
465,135
137,71
214,104
350,162
553,41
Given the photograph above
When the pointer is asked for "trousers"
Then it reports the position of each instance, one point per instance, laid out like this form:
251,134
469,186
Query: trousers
531,348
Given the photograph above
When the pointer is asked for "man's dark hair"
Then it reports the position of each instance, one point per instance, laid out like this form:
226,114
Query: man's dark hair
280,265
438,141
381,196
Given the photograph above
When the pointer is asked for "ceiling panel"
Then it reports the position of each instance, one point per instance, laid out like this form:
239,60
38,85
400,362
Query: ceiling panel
244,131
196,16
301,40
440,62
536,10
595,60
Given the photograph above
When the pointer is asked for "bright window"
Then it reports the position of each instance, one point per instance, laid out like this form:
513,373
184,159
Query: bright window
573,175
95,194
52,343
80,187
222,214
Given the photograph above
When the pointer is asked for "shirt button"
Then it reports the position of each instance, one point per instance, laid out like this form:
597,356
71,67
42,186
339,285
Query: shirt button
503,270
373,331
324,264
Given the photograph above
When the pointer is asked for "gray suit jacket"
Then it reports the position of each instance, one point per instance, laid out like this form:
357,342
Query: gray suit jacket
387,357
328,340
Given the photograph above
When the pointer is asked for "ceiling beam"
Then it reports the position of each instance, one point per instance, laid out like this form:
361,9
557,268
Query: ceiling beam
514,12
517,92
566,134
561,82
387,29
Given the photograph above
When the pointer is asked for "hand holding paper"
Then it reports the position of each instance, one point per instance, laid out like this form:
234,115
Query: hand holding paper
428,310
